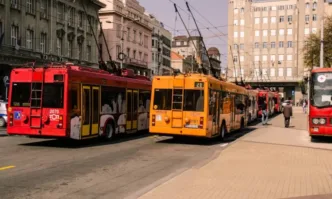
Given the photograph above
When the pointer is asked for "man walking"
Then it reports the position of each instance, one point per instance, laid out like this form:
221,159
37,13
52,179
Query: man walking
264,113
288,112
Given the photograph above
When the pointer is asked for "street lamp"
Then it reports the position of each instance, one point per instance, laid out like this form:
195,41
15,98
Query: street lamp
122,35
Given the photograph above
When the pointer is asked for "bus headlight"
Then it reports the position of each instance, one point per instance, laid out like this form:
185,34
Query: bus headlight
322,121
315,121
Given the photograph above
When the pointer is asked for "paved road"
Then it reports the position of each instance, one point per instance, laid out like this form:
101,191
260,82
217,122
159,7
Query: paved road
36,168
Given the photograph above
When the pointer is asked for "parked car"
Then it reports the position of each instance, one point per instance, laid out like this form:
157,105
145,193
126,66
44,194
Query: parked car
3,113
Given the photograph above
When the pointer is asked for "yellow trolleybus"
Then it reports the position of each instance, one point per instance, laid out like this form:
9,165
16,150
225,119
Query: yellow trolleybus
196,105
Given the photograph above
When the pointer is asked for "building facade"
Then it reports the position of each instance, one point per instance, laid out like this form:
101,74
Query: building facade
46,31
191,46
127,33
161,48
180,63
214,56
267,38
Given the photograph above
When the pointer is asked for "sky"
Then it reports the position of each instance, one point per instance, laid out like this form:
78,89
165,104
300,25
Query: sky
211,16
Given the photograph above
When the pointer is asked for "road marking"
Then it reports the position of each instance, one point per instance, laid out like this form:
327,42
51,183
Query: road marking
7,167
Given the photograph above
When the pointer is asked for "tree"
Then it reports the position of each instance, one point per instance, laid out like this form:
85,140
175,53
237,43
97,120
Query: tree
311,48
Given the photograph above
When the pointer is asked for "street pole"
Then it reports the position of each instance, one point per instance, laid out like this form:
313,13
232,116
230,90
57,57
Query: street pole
122,34
322,44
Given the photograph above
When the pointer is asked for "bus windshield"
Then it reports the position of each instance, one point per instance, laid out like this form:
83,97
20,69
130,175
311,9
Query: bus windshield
321,89
193,100
20,94
162,99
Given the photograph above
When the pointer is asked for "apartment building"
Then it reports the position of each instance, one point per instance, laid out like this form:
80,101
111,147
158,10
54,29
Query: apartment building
266,40
128,33
47,30
161,48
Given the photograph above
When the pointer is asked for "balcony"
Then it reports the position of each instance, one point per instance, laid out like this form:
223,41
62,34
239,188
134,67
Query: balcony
136,62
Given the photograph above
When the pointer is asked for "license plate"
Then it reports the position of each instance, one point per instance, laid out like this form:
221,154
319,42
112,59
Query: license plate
193,126
158,118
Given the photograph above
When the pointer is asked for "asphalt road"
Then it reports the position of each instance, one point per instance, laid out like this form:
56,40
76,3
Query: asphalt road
124,168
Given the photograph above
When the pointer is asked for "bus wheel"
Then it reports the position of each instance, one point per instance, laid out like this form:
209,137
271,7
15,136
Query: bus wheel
223,131
109,131
2,122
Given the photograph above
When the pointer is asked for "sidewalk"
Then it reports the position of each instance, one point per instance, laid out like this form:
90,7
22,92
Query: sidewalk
271,162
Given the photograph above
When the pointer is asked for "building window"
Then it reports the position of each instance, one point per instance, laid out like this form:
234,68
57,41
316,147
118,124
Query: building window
264,58
306,31
14,35
307,5
273,19
43,9
241,46
241,58
272,72
235,22
281,31
265,33
70,49
118,30
281,19
80,51
43,39
236,10
257,33
235,46
273,44
60,12
307,18
264,45
314,17
88,52
118,51
80,19
289,31
235,34
145,57
289,72
134,36
265,20
242,34
59,46
30,6
289,44
272,58
128,52
235,59
242,10
29,39
281,58
14,4
289,57
281,44
257,20
314,30
273,32
140,39
290,18
281,72
256,58
314,5
128,34
71,20
242,22
140,56
256,45
134,54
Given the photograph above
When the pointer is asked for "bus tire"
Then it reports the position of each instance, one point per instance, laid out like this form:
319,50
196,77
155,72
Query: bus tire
109,130
223,131
314,137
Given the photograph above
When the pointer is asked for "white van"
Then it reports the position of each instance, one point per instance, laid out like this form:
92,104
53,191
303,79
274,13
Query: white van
3,113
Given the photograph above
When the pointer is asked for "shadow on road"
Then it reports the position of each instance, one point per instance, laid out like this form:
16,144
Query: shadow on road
68,143
205,141
324,140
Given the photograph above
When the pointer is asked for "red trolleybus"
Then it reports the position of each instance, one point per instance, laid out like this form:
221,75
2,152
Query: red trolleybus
253,105
320,104
68,101
277,102
265,96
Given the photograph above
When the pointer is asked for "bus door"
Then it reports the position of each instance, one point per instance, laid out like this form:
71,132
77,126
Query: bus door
233,109
216,114
132,110
177,108
90,110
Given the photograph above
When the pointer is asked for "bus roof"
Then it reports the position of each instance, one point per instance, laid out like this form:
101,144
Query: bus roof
321,70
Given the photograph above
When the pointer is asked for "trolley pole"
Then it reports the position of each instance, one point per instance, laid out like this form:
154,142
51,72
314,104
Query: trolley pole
322,44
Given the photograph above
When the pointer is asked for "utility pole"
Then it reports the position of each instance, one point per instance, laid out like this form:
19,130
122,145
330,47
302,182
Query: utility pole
322,43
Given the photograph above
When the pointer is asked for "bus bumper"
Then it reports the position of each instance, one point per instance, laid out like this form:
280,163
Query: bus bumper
320,131
27,131
180,132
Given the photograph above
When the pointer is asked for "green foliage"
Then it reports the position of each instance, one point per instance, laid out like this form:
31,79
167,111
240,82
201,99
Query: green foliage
311,48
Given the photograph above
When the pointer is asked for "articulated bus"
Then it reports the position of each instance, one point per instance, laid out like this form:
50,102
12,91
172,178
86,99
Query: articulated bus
320,103
253,105
196,105
68,101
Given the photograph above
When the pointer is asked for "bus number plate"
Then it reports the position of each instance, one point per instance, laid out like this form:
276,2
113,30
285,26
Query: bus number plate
199,84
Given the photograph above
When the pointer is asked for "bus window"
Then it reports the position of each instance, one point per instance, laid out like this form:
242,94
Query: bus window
193,100
20,94
239,105
162,99
144,101
74,106
53,95
212,102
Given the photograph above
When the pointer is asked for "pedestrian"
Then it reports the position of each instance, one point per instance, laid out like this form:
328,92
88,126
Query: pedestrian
288,112
304,106
264,113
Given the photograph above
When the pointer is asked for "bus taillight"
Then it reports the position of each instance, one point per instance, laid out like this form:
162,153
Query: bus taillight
201,122
11,119
60,121
153,120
